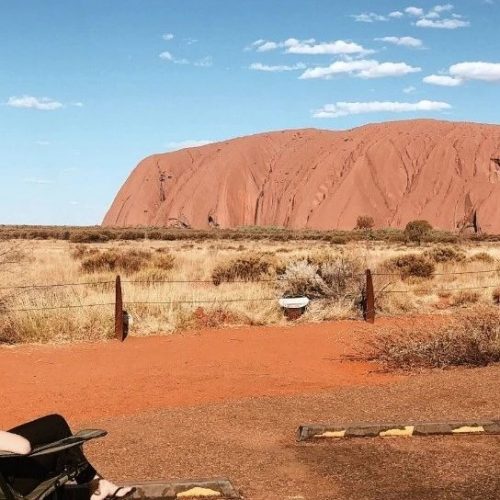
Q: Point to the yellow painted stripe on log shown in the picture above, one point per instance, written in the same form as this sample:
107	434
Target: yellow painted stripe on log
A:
331	434
407	431
466	429
198	492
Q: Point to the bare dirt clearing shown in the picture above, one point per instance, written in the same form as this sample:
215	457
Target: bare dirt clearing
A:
227	402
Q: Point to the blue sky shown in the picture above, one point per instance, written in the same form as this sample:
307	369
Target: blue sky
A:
90	87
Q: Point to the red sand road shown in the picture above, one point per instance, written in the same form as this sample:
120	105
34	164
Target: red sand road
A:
97	380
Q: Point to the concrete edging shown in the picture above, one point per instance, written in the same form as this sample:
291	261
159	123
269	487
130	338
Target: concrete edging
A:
217	488
409	429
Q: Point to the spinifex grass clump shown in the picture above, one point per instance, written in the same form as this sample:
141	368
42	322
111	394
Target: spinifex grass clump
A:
410	265
472	338
443	255
126	261
250	267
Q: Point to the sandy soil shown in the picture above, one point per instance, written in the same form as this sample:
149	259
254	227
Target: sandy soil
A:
227	403
95	380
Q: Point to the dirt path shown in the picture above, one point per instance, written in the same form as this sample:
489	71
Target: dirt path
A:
98	380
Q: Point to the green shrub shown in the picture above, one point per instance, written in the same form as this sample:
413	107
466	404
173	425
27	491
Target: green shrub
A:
364	222
416	230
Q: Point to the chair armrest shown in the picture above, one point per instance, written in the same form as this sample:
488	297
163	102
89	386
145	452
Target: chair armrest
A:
63	444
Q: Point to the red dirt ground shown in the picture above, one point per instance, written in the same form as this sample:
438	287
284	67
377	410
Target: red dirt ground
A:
98	380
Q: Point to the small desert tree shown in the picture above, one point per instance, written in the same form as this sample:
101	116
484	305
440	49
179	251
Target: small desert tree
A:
415	230
364	222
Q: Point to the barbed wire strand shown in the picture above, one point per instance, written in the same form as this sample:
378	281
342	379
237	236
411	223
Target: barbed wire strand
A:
55	285
59	307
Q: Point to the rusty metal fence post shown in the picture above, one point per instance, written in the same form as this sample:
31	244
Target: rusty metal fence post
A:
119	316
369	299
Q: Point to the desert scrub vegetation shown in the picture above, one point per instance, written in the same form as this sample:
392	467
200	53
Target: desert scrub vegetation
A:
410	265
471	338
250	267
445	254
126	261
98	234
324	276
256	272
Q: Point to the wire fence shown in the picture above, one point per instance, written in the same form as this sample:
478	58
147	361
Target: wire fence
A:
222	300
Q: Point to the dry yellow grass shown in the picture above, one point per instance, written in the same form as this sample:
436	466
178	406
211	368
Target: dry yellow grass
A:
173	305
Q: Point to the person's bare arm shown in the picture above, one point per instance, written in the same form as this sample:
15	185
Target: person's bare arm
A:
14	443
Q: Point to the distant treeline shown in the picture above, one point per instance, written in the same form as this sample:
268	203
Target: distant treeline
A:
97	234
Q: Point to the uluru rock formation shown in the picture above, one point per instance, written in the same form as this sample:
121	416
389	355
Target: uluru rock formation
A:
444	172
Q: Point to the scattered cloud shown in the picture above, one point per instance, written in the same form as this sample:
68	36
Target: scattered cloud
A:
168	36
310	47
363	68
405	41
30	102
479	70
36	180
414	11
167	56
189	143
409	90
395	14
448	24
368	17
461	72
442	8
355	108
442	80
205	62
277	68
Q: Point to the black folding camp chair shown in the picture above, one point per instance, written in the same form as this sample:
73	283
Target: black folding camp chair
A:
53	485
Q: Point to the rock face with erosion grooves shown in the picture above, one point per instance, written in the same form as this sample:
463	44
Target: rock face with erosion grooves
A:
395	172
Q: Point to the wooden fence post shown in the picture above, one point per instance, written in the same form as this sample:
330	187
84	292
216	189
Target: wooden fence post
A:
369	302
119	318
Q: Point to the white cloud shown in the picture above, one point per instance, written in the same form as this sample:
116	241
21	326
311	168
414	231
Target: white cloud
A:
277	68
166	55
359	68
443	80
368	17
396	14
205	62
310	47
414	11
356	108
405	41
479	70
443	8
30	102
409	90
189	143
267	46
335	48
448	24
168	36
35	180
